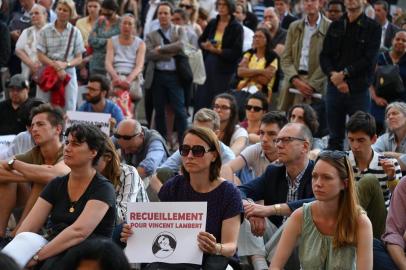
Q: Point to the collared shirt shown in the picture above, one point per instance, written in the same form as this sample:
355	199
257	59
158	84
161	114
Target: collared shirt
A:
387	143
294	184
53	43
168	65
375	168
255	158
307	35
384	27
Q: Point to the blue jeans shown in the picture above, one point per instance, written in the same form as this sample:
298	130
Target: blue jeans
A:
382	259
167	89
338	106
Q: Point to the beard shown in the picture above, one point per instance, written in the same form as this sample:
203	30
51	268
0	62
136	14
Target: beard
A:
94	100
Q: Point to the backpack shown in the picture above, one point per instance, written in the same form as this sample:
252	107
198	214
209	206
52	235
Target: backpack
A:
388	83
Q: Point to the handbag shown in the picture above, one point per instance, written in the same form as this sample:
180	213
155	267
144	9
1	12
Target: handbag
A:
41	80
388	83
183	68
196	63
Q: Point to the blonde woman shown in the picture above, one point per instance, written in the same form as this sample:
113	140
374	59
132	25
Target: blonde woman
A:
333	231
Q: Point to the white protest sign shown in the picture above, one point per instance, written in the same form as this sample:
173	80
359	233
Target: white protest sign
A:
5	142
165	232
101	120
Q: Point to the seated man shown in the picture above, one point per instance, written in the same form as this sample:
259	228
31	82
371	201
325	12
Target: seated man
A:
140	147
203	118
259	155
393	143
38	166
11	109
278	184
97	99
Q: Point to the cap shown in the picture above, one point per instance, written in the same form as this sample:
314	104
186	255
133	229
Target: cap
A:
18	81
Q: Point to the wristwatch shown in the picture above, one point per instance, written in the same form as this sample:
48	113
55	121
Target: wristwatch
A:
346	73
10	163
68	65
219	248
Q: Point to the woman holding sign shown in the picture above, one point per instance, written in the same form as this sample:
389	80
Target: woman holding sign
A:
200	181
79	205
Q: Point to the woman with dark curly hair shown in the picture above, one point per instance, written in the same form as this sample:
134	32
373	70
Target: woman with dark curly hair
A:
305	114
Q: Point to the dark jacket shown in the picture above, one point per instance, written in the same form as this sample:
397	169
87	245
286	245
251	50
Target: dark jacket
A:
363	55
231	44
287	20
272	187
390	34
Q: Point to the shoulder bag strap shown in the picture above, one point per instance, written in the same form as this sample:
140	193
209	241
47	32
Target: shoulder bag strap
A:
69	42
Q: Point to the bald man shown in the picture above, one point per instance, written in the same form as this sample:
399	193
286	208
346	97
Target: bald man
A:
141	147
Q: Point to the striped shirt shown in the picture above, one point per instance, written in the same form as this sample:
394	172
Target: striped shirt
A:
376	169
130	189
294	184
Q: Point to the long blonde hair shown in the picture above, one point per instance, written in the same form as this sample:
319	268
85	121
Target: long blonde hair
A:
348	207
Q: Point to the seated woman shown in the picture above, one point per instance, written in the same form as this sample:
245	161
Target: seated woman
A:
230	134
79	205
259	68
333	232
305	114
390	253
201	182
256	107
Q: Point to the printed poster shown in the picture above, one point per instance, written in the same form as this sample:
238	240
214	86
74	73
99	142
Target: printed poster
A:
165	232
101	120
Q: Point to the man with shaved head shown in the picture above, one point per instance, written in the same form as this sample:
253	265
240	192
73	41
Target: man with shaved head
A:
141	147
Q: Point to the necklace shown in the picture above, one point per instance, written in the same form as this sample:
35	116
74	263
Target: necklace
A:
72	207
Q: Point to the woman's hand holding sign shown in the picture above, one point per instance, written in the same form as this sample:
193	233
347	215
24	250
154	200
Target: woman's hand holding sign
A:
126	232
207	242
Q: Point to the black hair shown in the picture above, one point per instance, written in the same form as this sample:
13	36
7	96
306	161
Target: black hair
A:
110	5
309	116
92	135
336	2
104	251
384	4
55	115
182	13
103	80
274	117
26	109
232	121
8	263
361	121
261	97
230	4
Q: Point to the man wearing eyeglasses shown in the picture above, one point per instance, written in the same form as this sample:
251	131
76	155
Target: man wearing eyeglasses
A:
97	90
140	147
283	183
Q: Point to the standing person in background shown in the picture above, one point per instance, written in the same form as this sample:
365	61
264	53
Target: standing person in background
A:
300	60
51	49
125	60
191	7
107	25
272	22
85	26
26	47
282	7
388	29
221	43
335	9
240	14
348	59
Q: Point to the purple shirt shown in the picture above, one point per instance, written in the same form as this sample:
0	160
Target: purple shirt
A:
396	220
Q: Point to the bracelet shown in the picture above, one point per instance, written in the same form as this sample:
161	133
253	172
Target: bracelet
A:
277	208
219	248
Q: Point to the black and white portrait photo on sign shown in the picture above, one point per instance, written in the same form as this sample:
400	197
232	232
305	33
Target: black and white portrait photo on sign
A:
164	245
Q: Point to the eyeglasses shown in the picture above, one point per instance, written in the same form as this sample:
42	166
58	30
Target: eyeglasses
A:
126	137
197	150
221	107
185	6
256	108
286	140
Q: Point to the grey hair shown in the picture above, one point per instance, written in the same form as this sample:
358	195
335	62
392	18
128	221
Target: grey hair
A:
41	8
208	115
304	132
400	106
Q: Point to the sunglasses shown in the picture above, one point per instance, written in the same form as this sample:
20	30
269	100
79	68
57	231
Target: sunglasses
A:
185	6
126	137
221	107
197	150
256	108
